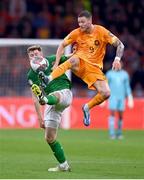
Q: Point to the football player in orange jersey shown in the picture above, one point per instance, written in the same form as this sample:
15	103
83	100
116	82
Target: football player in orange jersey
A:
87	62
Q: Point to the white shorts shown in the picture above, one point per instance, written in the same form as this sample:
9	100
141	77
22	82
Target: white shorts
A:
53	113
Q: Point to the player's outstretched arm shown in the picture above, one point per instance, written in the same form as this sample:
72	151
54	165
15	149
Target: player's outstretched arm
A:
38	111
129	92
119	53
120	48
59	53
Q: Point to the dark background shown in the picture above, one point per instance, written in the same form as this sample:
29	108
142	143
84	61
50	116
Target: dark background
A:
53	19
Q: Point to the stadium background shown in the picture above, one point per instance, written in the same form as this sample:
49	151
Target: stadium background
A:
24	154
52	19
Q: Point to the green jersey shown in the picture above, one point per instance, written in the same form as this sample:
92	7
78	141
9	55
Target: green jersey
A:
57	84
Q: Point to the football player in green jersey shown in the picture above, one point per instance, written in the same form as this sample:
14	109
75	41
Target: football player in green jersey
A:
56	96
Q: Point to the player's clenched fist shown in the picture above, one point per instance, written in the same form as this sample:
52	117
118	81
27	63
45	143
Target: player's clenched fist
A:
116	65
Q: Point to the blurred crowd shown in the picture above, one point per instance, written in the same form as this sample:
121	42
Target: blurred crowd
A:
54	19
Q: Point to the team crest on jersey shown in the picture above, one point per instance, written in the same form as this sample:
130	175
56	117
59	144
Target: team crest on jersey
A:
96	43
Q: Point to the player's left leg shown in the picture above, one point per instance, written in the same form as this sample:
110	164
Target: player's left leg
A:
56	147
111	124
121	108
52	116
103	94
52	120
86	114
120	124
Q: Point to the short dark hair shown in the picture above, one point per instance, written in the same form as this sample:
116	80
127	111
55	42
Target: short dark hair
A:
34	47
85	13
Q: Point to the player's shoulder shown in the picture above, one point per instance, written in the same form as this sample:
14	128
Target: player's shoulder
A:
30	73
100	27
76	31
125	73
101	30
109	72
64	57
50	56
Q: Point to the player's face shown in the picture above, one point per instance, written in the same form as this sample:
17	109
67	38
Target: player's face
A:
35	53
84	23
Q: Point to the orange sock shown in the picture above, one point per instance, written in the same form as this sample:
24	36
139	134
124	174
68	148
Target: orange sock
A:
96	100
61	69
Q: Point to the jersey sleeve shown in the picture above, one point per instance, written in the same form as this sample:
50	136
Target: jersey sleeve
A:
63	59
32	77
71	37
51	59
29	74
29	80
127	85
108	37
108	76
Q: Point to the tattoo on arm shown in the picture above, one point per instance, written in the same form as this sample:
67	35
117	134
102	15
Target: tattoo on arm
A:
120	48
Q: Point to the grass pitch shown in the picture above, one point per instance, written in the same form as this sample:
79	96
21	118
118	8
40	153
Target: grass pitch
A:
24	154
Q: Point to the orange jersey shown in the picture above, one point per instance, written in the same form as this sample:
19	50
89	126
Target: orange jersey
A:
91	46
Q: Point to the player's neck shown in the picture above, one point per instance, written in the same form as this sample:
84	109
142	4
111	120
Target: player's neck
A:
90	30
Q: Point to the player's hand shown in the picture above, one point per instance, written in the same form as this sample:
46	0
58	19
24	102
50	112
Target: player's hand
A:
130	102
42	125
116	65
43	77
42	102
54	66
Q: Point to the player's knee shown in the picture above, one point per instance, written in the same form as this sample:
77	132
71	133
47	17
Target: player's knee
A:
49	139
74	61
106	94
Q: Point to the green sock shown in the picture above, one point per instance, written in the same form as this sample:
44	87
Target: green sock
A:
52	100
58	151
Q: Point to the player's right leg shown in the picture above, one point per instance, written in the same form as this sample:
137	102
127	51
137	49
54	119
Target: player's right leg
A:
38	92
61	69
71	63
50	99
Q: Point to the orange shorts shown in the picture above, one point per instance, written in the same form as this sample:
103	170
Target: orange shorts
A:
89	73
